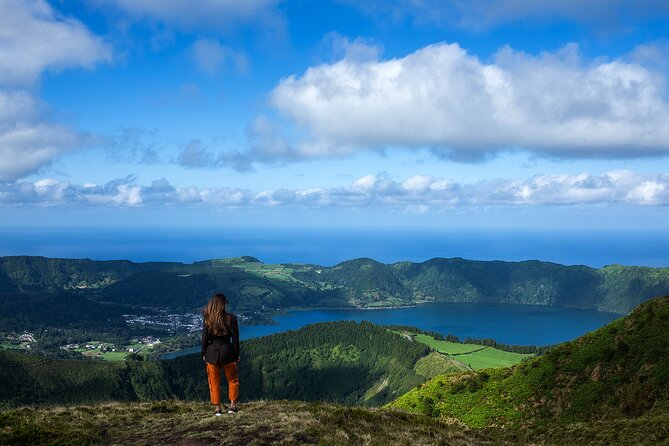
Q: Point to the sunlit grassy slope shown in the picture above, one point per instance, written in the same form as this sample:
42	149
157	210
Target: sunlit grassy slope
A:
472	355
619	372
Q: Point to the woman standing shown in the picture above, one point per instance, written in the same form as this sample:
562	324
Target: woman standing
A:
220	350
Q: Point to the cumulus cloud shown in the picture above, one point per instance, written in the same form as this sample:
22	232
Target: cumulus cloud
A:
420	193
480	14
34	38
28	140
197	14
442	97
654	55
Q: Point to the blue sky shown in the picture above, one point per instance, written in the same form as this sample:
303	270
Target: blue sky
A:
463	114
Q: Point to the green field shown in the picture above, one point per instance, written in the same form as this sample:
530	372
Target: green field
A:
473	355
114	356
270	271
15	346
119	355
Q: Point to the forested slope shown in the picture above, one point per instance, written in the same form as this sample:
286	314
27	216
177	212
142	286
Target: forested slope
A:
52	274
345	362
364	283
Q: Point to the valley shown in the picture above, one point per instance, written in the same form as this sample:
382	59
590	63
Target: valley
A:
72	301
606	387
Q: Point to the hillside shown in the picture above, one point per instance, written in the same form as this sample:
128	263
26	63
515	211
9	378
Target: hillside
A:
28	273
292	423
258	423
344	362
619	372
608	387
254	286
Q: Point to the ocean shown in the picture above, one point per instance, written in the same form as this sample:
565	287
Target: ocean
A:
330	246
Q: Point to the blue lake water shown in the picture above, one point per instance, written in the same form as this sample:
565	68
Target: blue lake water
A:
509	324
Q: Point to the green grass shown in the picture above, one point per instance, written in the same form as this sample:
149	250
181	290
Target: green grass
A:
278	272
619	372
491	358
445	346
437	364
119	355
472	355
257	423
114	356
294	423
106	356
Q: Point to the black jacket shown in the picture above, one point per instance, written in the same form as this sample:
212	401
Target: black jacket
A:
222	349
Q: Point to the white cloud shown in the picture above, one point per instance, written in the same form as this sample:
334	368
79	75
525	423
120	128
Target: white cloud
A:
553	104
28	140
419	193
654	55
417	183
365	183
34	38
211	56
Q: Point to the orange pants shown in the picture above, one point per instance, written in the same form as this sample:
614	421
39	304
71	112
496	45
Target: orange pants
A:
214	376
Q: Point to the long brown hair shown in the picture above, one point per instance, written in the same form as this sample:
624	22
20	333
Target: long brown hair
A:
215	317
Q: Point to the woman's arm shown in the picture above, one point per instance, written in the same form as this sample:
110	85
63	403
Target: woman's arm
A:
235	336
205	339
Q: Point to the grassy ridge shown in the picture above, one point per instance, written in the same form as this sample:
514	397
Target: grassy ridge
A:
437	364
259	423
620	371
294	423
